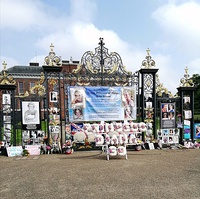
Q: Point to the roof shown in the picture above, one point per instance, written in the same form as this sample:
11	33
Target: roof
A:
25	70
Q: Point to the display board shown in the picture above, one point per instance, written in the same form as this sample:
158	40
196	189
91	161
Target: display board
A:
31	115
33	149
14	151
187	118
7	112
101	103
168	136
168	115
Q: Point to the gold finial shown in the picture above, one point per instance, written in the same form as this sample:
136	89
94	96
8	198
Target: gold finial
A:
51	47
186	81
4	64
5	78
52	59
148	51
186	70
148	63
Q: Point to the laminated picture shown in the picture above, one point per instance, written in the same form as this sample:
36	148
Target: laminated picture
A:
78	113
30	112
186	104
188	114
6	98
53	96
77	97
7	119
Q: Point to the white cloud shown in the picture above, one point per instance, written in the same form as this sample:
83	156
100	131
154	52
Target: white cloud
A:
82	10
82	37
180	37
180	25
181	17
23	15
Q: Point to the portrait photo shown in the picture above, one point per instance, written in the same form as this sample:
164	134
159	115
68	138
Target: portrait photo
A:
78	113
170	140
176	139
171	131
68	129
188	114
186	104
25	135
77	97
128	97
7	127
128	112
30	112
148	104
53	96
6	98
171	107
164	107
7	119
186	100
171	115
7	108
165	116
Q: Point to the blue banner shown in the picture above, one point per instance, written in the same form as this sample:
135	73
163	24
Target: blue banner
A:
101	103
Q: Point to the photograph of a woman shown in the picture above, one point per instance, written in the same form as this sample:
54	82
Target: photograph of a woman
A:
30	112
6	98
77	97
78	113
197	130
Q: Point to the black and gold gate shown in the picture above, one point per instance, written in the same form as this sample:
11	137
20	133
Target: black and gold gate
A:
100	68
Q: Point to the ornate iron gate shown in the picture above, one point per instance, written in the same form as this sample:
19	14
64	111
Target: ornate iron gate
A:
100	68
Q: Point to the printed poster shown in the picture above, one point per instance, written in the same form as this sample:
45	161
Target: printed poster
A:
168	115
101	103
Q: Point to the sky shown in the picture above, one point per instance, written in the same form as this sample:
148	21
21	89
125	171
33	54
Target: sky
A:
169	28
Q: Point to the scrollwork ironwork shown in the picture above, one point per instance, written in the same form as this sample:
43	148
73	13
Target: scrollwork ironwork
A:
38	89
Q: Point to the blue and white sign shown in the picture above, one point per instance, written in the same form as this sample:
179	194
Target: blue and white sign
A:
101	103
14	151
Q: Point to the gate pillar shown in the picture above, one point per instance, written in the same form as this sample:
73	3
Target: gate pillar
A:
148	91
7	86
186	108
52	70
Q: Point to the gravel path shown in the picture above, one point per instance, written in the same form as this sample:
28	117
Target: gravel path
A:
146	174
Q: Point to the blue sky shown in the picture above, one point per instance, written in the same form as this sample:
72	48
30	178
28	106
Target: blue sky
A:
170	28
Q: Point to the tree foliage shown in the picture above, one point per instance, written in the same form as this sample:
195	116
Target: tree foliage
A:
196	81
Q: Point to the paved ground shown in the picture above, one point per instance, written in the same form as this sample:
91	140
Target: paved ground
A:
149	174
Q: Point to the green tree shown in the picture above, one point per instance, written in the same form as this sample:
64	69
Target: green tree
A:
196	81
